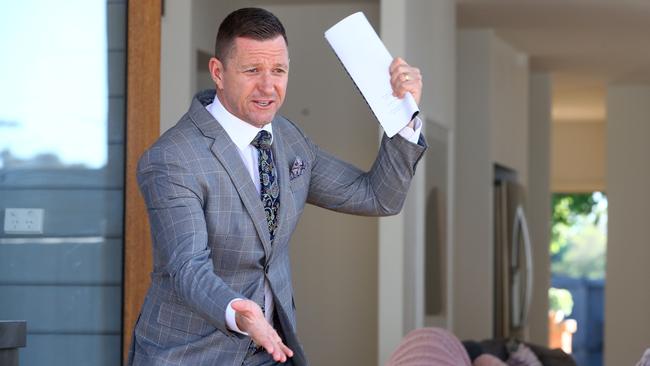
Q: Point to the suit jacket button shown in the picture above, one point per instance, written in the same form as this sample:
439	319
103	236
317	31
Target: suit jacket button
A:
266	269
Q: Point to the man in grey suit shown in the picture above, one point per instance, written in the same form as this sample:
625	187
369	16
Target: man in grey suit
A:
225	188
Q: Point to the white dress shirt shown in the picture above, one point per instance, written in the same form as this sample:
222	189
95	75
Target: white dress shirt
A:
242	134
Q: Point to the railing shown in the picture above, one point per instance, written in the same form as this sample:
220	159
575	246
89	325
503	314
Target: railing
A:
13	335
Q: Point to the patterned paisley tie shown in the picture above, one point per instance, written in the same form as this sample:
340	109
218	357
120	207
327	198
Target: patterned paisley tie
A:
269	188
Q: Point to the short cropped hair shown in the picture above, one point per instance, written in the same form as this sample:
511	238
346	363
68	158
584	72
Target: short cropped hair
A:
254	23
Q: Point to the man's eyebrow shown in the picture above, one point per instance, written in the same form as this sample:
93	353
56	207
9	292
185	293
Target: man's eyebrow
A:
258	64
252	64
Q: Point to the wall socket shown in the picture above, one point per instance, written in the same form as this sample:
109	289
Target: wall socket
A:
27	221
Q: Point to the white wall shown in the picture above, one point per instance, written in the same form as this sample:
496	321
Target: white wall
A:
627	298
206	17
578	156
430	44
492	127
177	62
539	201
509	107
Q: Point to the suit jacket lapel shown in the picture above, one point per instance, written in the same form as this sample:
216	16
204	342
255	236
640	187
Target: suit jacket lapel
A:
228	155
281	167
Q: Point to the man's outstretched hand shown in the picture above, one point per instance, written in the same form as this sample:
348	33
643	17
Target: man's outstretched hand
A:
250	319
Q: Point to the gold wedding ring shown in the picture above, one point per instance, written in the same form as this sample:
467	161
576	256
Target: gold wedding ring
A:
405	77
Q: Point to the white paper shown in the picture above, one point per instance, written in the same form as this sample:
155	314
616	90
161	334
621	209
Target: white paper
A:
367	61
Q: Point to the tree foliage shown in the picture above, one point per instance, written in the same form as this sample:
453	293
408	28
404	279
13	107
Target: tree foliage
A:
579	235
560	300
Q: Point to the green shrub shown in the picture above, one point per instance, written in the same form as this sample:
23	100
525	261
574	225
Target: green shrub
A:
560	300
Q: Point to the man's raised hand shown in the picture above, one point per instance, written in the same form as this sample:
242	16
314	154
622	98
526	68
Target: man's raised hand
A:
405	78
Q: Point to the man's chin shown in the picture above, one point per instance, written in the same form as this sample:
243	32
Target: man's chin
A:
262	121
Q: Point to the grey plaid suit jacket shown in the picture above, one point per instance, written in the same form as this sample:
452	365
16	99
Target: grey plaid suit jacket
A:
210	236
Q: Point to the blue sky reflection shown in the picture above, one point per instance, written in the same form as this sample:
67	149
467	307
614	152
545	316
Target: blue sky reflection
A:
54	82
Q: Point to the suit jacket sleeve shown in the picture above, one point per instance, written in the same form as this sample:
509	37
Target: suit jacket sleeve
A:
175	205
342	187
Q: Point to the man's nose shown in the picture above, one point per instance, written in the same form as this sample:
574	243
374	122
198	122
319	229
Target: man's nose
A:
265	83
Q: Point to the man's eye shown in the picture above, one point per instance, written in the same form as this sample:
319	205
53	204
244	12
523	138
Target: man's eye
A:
251	70
280	71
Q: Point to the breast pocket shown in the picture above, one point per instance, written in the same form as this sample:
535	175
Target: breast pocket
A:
299	188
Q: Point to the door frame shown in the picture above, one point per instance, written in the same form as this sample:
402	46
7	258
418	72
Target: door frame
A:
142	129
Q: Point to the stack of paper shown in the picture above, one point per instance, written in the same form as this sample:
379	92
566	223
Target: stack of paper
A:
367	61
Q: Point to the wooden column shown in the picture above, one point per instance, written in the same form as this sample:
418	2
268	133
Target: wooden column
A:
142	129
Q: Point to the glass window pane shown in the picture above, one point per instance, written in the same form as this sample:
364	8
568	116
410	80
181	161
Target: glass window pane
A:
62	115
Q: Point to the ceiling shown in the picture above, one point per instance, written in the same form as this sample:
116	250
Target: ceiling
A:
584	44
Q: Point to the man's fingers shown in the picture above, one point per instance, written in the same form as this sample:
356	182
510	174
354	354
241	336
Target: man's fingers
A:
405	75
269	347
260	330
398	61
399	68
282	352
283	349
398	74
405	78
242	305
278	350
287	351
269	343
279	356
412	82
413	86
250	319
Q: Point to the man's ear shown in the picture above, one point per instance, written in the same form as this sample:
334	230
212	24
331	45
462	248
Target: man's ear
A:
216	72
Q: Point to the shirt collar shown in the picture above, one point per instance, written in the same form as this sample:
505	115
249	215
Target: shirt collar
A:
241	133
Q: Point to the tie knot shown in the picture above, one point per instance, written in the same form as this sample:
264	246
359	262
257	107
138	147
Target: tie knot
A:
262	140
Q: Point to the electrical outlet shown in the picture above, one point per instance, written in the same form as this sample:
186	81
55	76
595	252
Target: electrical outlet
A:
24	220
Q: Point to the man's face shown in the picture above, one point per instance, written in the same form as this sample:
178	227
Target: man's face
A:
252	81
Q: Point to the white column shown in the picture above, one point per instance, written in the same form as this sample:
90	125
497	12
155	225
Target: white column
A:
539	201
423	33
492	127
473	245
627	295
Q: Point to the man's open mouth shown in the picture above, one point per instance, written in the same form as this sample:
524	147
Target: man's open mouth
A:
263	103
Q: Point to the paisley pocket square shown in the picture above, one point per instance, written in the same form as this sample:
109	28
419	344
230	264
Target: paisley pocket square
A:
297	168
